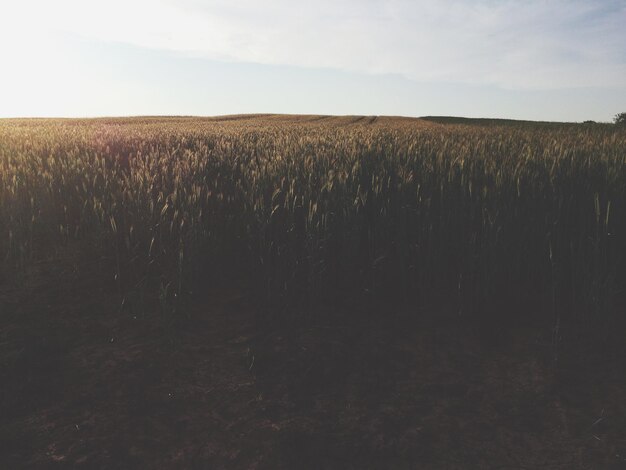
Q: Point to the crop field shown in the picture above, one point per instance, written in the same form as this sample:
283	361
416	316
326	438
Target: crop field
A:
319	207
364	224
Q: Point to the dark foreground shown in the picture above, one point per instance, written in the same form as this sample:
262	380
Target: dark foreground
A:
85	385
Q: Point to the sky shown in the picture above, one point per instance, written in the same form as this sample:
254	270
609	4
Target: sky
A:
562	60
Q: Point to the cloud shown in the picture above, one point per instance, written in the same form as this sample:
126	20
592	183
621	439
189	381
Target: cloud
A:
531	44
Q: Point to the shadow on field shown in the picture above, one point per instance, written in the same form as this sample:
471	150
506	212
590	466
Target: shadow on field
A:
86	384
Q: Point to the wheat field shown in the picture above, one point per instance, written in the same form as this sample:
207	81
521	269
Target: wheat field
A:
278	291
502	220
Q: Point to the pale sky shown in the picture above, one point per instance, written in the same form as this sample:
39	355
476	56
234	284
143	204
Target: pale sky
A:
524	59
